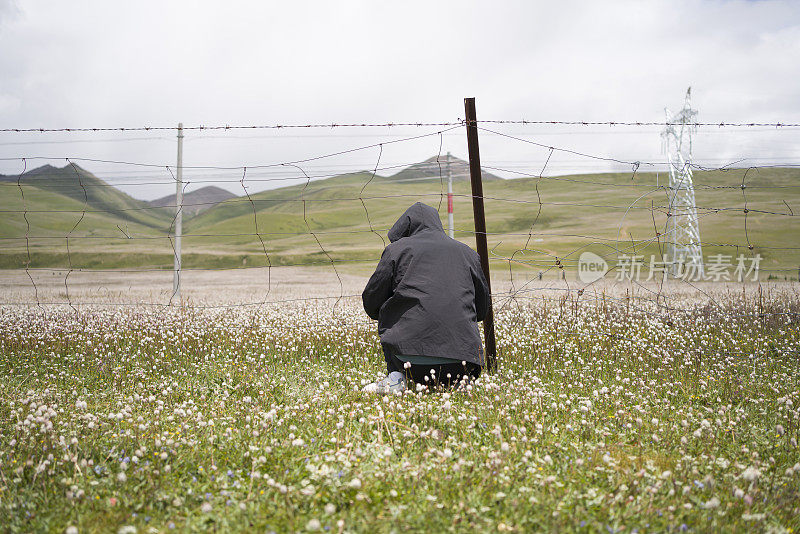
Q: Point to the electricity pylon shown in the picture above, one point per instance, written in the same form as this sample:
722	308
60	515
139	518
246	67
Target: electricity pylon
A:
683	230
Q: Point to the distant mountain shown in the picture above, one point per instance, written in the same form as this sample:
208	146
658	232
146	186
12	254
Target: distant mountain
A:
80	185
431	168
345	218
278	208
195	202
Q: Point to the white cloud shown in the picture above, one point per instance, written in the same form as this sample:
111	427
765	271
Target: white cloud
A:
8	103
8	10
97	63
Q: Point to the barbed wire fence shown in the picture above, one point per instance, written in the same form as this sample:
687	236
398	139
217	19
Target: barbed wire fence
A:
540	226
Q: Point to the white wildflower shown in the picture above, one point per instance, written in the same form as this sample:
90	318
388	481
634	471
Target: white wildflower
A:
751	474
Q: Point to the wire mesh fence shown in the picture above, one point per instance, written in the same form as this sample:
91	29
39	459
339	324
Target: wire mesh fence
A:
565	226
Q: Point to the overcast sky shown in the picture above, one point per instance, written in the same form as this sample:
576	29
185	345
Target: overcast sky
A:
114	64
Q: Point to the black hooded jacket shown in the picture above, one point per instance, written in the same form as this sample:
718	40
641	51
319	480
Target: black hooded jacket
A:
428	292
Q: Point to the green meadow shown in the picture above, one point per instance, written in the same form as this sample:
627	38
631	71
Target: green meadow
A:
600	418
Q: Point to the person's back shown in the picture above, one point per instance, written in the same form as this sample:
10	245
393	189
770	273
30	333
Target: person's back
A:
427	293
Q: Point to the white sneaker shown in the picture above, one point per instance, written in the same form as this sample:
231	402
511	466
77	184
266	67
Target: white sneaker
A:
395	382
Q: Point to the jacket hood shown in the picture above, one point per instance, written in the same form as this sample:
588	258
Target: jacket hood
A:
418	218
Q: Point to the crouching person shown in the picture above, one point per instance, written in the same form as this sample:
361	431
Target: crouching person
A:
428	293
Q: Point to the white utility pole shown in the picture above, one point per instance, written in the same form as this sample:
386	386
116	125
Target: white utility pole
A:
450	230
176	282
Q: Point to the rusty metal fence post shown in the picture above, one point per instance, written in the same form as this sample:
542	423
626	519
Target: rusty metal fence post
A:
480	225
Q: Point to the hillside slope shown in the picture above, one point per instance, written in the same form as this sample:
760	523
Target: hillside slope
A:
80	185
195	202
539	222
556	217
436	167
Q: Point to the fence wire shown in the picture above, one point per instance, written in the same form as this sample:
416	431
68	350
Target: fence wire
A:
287	223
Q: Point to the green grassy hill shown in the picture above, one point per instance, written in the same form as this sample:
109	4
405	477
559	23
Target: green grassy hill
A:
438	166
603	213
556	217
50	204
85	188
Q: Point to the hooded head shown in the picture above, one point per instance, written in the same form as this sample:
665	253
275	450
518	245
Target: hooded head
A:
418	218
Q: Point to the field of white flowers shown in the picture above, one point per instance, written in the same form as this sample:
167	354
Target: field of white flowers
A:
606	414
